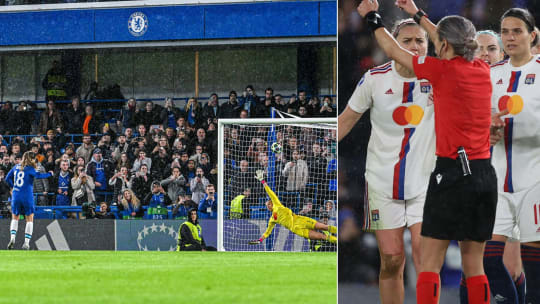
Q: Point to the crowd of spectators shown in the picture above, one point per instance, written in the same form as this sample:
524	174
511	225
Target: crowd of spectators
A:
144	154
303	173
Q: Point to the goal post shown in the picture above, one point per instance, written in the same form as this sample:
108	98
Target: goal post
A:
299	158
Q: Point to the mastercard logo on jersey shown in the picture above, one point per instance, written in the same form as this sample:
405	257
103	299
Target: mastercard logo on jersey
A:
514	104
411	115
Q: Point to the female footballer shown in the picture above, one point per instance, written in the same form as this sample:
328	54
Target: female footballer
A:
400	156
298	224
462	195
21	179
507	285
516	157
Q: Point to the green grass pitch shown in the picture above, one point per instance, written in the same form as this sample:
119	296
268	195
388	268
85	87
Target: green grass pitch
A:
167	277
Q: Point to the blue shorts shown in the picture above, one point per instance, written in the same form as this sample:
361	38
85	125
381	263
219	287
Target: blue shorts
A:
25	208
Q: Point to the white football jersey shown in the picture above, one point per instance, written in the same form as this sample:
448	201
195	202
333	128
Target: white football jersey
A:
401	149
516	158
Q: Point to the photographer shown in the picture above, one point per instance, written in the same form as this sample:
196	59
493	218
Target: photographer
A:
157	197
296	172
175	184
159	163
314	106
198	184
83	188
121	147
208	204
327	110
120	182
141	181
182	206
169	114
141	159
103	213
22	118
249	100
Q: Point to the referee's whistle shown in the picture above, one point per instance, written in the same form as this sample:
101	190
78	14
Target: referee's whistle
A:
464	160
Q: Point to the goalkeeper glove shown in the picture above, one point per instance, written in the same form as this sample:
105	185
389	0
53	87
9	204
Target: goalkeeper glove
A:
259	175
256	242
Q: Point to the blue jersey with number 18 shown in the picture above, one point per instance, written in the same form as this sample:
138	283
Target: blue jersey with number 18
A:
22	181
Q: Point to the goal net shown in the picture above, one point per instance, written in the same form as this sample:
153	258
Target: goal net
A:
298	157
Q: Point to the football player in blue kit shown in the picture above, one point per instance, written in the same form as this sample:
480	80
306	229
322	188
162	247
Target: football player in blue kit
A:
21	179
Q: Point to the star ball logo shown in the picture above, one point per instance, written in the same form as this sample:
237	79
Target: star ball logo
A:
411	115
514	104
137	24
151	236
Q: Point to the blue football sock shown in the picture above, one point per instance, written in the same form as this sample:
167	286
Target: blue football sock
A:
501	284
531	265
463	299
520	287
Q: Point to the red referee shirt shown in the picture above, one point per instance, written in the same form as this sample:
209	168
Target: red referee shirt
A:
462	100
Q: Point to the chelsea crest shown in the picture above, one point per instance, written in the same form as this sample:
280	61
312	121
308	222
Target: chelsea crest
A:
137	24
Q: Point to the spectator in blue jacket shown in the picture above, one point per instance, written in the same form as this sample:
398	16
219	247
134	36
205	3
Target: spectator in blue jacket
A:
130	206
157	197
100	170
208	205
182	206
249	100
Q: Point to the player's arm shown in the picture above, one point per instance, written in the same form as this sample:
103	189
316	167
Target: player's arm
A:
273	197
410	7
368	9
271	225
9	177
360	101
40	175
346	121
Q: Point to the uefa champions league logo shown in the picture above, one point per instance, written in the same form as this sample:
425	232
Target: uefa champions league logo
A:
137	24
150	237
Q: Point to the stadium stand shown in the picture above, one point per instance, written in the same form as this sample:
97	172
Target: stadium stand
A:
172	133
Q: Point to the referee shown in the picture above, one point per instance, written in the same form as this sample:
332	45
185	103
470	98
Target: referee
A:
462	194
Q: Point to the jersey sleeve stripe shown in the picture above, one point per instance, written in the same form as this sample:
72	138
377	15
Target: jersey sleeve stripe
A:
380	72
502	62
382	67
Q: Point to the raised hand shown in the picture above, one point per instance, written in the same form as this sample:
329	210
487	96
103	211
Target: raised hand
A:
408	6
367	6
259	175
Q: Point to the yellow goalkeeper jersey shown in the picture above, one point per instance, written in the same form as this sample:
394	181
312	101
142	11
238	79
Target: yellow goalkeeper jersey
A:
280	214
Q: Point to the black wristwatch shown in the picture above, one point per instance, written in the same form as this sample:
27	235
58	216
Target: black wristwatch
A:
418	16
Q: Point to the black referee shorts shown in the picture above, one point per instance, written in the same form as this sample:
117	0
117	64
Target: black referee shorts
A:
460	207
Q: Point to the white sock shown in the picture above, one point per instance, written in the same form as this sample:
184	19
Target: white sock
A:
28	232
13	228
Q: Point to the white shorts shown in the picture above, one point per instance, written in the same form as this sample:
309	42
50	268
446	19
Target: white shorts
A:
383	212
521	210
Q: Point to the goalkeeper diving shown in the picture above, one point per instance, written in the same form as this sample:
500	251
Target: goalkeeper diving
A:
301	225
